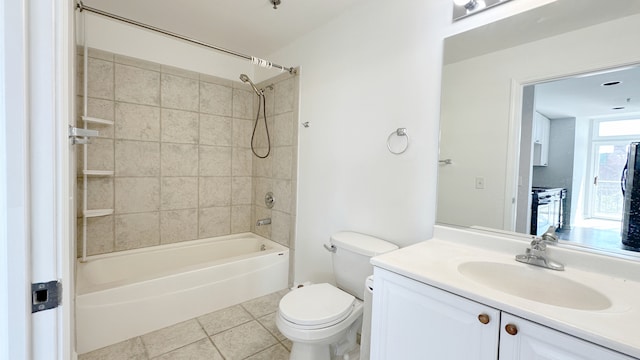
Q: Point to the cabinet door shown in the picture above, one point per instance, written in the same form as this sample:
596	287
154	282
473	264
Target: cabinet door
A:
412	320
532	341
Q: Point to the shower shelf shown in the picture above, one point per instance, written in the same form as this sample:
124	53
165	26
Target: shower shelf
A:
98	172
94	120
97	213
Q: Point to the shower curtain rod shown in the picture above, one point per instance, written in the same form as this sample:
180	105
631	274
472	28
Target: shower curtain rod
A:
253	59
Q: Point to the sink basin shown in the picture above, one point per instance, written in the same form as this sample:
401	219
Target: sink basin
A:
536	284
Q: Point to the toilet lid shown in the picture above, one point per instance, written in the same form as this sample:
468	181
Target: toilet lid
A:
316	304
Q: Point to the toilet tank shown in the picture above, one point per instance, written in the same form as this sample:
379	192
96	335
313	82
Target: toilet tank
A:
351	260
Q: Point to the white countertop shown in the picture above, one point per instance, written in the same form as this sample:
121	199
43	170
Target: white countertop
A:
435	262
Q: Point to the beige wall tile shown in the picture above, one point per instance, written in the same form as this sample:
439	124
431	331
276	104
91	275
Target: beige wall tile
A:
179	92
282	158
214	191
101	109
100	155
137	194
260	212
242	130
166	69
241	162
178	225
215	99
283	130
100	82
137	122
179	160
100	235
284	96
269	101
217	80
261	186
137	230
179	193
179	126
97	53
240	219
136	85
282	193
131	61
241	190
262	167
215	130
173	337
215	161
137	158
280	225
99	193
260	139
214	222
243	104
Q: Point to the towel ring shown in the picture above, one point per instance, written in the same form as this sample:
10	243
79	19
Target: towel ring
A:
398	132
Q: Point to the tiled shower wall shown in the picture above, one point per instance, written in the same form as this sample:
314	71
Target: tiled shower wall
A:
180	152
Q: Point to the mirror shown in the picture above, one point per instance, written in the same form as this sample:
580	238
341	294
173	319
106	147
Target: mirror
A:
497	82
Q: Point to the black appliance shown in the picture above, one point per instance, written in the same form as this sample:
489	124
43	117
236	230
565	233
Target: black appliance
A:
630	183
547	207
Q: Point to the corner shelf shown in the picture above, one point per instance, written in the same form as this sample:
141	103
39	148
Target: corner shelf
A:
89	119
97	213
97	172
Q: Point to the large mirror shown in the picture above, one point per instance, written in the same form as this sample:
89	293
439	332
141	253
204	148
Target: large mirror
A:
538	114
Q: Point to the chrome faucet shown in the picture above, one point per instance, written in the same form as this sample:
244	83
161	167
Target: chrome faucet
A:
265	221
537	254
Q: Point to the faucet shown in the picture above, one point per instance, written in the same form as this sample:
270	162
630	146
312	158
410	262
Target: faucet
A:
537	254
265	221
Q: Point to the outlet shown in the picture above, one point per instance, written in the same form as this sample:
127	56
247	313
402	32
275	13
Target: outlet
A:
479	182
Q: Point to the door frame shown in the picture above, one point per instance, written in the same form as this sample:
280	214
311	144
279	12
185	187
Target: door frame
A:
36	212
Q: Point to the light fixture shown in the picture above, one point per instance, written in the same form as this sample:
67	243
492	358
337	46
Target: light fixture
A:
611	83
464	8
467	4
275	3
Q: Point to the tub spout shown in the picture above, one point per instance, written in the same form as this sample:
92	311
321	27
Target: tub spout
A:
265	221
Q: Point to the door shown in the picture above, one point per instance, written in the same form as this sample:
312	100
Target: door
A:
606	200
521	339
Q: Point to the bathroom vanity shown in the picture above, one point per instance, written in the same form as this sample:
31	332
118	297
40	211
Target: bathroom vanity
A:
462	295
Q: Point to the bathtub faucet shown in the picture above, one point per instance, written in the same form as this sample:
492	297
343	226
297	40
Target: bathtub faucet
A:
265	221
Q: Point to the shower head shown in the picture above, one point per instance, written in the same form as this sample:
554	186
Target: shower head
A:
245	79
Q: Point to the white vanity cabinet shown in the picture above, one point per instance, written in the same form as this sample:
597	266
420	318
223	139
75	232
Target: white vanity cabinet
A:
412	320
521	339
415	321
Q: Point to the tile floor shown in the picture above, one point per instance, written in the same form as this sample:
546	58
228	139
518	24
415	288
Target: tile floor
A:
242	332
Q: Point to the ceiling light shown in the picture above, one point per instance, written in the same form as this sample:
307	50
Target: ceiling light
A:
618	108
467	4
275	3
611	83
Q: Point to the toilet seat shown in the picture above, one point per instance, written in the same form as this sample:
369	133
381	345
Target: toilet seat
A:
316	306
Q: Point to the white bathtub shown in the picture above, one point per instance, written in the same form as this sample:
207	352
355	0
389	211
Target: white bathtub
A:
130	293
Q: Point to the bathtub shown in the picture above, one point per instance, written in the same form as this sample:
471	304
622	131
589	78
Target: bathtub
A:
130	293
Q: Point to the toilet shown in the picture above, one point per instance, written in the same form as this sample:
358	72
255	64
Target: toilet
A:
322	320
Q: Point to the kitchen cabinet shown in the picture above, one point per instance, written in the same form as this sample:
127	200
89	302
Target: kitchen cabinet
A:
541	131
412	320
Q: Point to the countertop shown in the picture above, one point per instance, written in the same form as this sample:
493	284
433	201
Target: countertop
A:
435	262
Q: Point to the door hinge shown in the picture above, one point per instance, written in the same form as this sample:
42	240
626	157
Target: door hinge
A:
44	296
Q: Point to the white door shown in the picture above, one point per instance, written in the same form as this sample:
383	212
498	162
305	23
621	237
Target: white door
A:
38	88
609	158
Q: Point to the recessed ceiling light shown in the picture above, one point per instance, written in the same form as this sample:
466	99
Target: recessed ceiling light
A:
618	108
611	83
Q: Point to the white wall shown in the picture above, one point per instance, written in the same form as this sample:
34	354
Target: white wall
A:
368	72
120	38
482	99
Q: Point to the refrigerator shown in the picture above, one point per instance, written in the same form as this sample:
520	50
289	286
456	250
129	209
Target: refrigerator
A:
630	183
